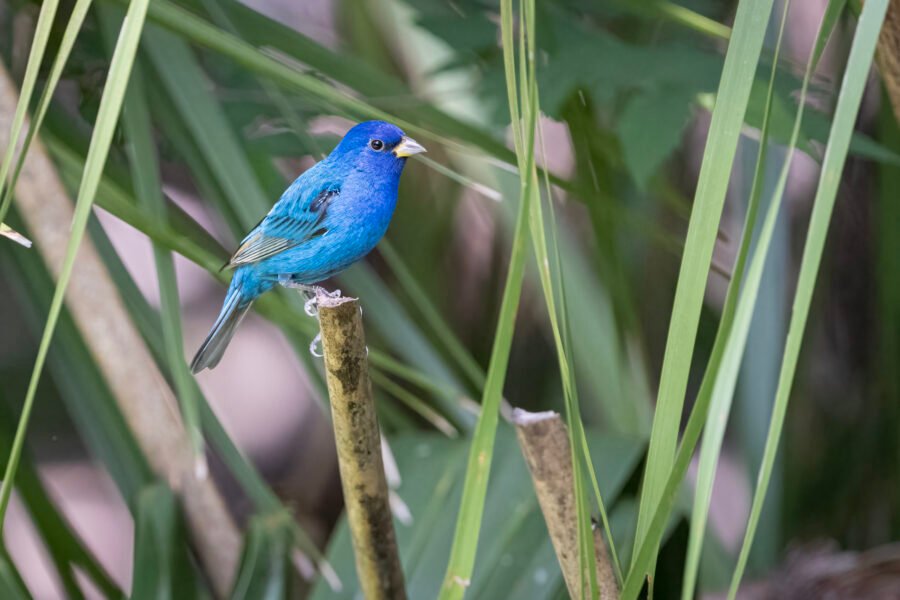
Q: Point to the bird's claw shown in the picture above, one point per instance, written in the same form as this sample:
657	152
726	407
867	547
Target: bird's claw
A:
311	307
314	346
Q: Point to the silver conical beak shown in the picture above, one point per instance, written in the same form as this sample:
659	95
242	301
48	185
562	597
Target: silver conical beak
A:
408	147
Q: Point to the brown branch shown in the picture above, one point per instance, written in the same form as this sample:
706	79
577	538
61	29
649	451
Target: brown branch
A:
359	449
137	385
545	445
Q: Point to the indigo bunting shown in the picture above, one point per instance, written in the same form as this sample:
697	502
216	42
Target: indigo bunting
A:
329	218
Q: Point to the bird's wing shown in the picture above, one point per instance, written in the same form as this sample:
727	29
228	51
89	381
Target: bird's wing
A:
285	227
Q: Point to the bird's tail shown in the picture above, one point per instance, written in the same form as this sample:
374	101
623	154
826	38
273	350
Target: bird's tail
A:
233	310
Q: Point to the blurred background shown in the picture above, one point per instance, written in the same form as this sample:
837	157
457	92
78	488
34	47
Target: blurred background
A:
625	90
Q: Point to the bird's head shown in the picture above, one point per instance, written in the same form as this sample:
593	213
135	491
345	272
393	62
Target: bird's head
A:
377	145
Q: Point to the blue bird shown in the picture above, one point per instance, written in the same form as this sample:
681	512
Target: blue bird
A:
329	218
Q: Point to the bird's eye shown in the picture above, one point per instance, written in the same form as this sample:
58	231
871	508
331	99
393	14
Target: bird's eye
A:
376	145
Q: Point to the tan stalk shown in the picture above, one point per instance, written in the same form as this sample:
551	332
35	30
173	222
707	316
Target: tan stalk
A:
358	444
545	444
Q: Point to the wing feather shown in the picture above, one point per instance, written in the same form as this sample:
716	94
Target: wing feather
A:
278	232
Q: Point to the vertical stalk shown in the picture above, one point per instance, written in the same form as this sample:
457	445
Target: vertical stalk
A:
545	444
359	449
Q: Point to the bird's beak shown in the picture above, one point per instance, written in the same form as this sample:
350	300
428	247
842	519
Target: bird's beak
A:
408	147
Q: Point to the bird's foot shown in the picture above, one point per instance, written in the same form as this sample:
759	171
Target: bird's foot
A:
311	306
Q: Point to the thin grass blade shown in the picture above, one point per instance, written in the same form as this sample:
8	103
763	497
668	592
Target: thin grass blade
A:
110	106
738	74
645	553
35	58
726	374
73	27
854	83
468	524
148	189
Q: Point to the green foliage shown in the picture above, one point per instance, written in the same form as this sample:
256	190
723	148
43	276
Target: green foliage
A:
160	548
221	90
861	55
515	554
731	103
265	570
11	584
119	69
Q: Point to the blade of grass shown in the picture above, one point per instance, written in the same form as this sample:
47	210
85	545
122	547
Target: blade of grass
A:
734	92
727	372
177	67
562	336
107	117
161	563
381	88
432	316
468	524
645	553
855	77
148	189
35	58
692	20
73	27
264	571
580	455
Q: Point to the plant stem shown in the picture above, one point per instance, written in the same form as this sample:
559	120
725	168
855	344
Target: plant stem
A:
359	449
545	445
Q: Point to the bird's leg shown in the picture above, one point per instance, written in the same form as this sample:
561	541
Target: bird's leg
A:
310	307
287	282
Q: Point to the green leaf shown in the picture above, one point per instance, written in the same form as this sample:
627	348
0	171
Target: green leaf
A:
110	105
732	354
64	547
11	584
148	189
264	571
161	563
35	57
734	91
651	127
81	386
73	27
471	511
852	88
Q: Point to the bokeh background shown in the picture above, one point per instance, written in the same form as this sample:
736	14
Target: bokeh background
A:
625	89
